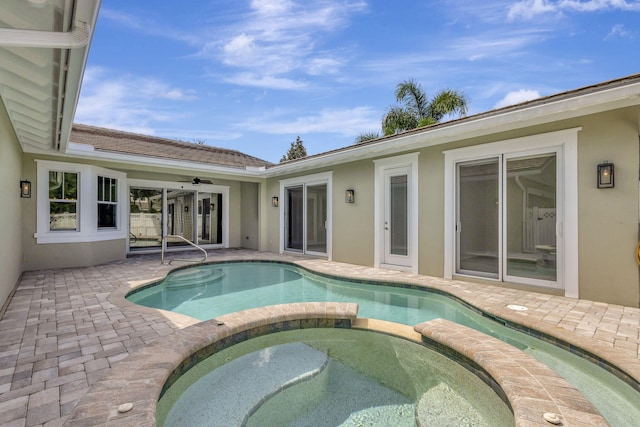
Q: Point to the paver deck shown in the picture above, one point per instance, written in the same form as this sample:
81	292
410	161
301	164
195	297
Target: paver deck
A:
64	329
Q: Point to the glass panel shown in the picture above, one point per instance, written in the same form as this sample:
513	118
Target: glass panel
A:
55	185
209	218
145	218
531	217
317	218
63	216
478	218
294	231
106	215
114	190
100	188
398	227
180	215
70	186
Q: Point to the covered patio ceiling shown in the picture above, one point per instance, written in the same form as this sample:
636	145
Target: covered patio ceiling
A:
43	51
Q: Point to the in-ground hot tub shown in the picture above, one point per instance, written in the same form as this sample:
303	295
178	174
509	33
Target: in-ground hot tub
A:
329	377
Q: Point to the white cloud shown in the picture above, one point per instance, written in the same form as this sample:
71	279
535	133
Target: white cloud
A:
618	30
267	82
125	102
343	121
516	97
282	37
527	9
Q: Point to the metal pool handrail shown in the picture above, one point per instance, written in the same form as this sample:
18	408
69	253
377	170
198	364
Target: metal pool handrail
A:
164	245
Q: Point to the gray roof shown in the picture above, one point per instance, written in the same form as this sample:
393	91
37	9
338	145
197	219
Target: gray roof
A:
115	141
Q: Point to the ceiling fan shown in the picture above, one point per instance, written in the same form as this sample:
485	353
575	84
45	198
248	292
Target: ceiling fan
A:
198	181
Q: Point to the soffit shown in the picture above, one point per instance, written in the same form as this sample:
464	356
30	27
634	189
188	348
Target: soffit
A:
39	74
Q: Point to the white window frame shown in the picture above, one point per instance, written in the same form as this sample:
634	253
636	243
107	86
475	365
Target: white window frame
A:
108	202
304	181
565	144
87	204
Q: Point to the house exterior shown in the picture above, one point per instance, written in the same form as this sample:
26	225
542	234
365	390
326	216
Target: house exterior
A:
541	195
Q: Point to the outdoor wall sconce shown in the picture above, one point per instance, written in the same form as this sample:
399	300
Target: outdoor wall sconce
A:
350	196
186	208
605	175
274	201
25	188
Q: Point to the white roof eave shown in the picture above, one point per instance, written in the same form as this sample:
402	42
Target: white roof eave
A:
518	118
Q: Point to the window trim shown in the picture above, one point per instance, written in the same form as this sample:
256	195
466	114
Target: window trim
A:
87	204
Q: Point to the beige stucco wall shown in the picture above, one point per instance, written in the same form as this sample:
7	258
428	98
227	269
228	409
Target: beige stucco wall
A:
249	213
608	218
13	207
353	223
41	256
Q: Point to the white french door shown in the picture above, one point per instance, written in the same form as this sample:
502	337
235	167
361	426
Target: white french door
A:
396	213
396	217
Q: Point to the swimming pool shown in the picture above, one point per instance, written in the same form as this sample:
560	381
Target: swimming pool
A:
205	292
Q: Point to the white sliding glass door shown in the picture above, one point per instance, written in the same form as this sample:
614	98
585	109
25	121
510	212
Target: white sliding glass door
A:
511	211
506	218
305	215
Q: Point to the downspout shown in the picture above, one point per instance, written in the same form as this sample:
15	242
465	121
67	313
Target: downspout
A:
77	37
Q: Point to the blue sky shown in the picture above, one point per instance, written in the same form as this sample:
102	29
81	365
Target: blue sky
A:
252	75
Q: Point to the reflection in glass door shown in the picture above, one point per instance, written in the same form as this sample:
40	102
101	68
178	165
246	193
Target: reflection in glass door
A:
209	218
145	218
316	239
180	216
477	222
294	219
530	216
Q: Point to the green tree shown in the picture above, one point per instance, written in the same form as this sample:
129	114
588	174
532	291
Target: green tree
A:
366	136
416	110
296	151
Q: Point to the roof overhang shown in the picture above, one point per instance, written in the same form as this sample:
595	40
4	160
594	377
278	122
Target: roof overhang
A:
596	99
43	53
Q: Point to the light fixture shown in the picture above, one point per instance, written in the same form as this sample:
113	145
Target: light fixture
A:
25	188
605	175
274	201
196	181
350	196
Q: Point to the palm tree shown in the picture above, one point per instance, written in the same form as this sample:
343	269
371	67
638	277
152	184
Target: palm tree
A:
418	111
366	136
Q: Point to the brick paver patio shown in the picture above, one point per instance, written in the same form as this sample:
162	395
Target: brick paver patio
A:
62	331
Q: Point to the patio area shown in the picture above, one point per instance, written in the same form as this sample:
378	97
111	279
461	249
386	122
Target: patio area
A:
63	329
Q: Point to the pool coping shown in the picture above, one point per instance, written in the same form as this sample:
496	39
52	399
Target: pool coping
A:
532	390
140	380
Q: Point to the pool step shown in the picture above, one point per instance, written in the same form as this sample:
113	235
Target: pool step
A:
189	278
231	393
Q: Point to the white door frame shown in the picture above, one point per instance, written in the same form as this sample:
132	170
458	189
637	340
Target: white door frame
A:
410	162
566	143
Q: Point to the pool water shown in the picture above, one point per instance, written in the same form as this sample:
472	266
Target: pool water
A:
370	379
208	291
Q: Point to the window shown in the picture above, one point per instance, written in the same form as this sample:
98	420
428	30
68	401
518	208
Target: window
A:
63	201
79	203
107	202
